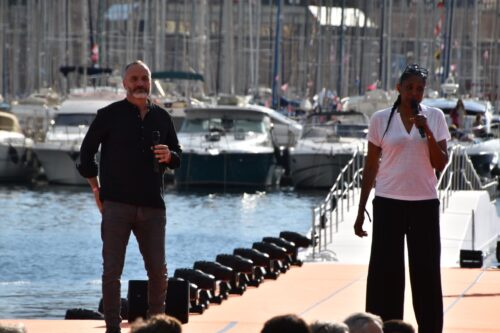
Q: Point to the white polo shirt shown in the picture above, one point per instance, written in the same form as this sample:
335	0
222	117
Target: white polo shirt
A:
405	171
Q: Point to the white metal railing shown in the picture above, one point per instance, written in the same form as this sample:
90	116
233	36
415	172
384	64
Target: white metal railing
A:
341	197
459	174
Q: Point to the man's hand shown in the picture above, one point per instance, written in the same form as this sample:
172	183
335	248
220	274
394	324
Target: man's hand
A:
97	198
162	153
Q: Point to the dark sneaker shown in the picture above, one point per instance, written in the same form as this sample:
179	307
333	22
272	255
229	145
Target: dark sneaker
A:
113	330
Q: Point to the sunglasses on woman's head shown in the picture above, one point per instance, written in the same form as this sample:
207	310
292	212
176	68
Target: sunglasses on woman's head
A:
416	69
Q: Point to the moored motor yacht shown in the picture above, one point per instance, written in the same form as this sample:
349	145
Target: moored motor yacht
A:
233	146
328	142
481	140
61	148
16	160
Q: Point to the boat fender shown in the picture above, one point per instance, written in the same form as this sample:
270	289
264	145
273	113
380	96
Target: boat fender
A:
13	155
27	158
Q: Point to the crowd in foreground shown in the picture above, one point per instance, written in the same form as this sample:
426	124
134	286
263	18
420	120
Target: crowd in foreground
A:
360	322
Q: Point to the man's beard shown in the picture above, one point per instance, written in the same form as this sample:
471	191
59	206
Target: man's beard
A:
139	93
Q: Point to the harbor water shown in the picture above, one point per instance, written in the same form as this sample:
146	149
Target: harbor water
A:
50	246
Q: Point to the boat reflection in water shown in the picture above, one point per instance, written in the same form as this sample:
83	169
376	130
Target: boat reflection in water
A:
234	146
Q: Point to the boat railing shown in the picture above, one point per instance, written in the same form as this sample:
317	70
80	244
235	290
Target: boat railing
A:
458	175
339	200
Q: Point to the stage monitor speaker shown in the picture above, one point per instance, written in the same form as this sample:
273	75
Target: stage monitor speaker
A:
177	302
471	259
137	299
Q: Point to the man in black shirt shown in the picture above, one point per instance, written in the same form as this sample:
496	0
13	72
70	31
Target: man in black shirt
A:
138	141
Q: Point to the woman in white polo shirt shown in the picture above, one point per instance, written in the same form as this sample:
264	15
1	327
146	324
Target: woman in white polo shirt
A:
406	145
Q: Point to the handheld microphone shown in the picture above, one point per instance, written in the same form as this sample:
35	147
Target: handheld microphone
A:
156	141
414	106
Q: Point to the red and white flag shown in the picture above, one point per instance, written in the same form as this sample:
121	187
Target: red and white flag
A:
94	54
438	27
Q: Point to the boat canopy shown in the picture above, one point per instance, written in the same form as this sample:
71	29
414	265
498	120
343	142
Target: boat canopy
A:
177	75
448	104
276	116
65	70
9	122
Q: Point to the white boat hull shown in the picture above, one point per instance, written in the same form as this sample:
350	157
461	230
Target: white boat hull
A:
59	164
316	170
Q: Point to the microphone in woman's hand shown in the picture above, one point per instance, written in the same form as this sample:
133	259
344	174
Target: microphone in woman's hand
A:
156	141
414	106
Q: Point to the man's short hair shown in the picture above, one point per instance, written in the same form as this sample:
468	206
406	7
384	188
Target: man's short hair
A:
19	328
328	327
397	326
289	323
136	62
160	323
357	321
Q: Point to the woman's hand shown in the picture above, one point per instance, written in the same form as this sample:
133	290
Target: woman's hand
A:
420	121
358	226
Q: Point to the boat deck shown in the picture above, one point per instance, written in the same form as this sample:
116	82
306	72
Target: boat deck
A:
322	291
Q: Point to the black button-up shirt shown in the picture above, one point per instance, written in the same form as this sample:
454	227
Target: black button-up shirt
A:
126	166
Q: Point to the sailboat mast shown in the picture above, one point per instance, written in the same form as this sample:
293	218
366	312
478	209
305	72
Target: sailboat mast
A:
277	42
252	51
449	35
3	52
388	48
475	24
257	43
341	51
382	45
228	49
361	50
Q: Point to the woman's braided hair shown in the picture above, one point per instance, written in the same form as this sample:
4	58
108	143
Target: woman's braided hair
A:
410	70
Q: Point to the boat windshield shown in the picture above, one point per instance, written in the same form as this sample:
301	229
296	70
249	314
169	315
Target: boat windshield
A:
349	125
74	119
223	125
